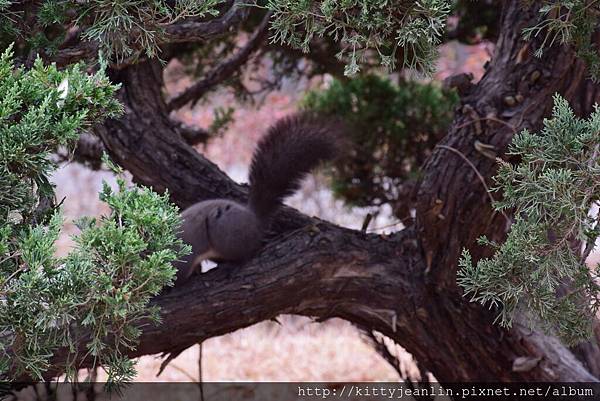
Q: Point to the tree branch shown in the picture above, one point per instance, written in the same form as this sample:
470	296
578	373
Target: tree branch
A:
197	31
192	135
327	271
189	30
224	70
88	151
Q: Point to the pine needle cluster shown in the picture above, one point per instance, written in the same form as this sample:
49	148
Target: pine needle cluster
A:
570	22
122	29
406	30
540	269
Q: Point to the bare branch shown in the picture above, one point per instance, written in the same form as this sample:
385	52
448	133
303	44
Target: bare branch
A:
334	272
194	31
192	135
223	70
88	151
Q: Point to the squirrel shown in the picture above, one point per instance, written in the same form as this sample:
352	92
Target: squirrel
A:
224	230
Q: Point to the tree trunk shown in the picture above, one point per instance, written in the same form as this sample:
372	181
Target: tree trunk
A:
403	285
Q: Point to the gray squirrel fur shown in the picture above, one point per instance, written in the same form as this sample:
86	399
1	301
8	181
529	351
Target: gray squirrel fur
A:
225	230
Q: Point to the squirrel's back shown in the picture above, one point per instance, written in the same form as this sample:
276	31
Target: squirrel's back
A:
290	149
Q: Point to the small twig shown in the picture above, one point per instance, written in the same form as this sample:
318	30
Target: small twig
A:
476	120
88	151
533	104
91	390
193	136
20	269
366	222
382	349
193	31
384	352
168	360
183	372
223	70
590	245
497	120
75	389
12	255
200	381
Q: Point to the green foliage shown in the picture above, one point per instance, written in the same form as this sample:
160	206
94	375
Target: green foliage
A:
40	109
7	22
93	300
551	190
395	127
570	22
223	118
408	30
365	32
122	28
142	22
123	260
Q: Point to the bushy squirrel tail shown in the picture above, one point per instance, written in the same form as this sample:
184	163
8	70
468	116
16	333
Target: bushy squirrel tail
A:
291	148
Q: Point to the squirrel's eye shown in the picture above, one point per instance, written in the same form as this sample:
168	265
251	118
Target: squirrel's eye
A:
227	207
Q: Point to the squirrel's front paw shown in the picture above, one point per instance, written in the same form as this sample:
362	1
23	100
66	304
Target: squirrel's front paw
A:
205	265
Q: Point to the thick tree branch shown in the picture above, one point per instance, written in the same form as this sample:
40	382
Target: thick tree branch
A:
196	31
515	93
326	271
81	51
223	70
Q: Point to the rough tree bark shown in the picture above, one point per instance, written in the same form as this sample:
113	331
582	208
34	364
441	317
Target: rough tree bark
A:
402	285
